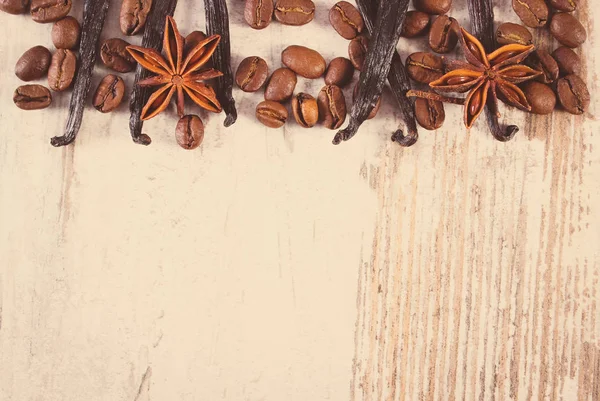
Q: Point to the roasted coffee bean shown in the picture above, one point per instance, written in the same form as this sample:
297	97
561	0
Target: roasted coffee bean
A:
533	13
424	67
542	61
133	15
357	51
294	12
541	97
509	33
415	24
65	33
189	132
272	114
14	6
346	20
304	61
33	64
573	94
433	6
281	85
339	72
32	97
305	110
430	113
332	107
115	56
564	5
251	74
568	61
258	13
49	10
567	30
62	70
192	40
443	35
109	94
375	110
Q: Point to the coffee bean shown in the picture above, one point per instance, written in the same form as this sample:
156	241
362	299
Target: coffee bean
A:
567	30
573	94
568	61
433	6
541	97
192	40
430	114
332	107
305	110
281	85
424	67
564	5
33	64
133	15
49	10
109	94
509	33
14	6
304	61
415	24
533	13
375	110
294	12
258	13
189	132
443	35
346	20
65	33
542	61
32	97
357	51
339	72
62	70
251	74
115	56
272	114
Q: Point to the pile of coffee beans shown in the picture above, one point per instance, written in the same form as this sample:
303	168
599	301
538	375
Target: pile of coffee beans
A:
559	82
328	107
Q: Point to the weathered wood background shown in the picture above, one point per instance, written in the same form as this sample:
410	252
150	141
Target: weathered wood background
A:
271	265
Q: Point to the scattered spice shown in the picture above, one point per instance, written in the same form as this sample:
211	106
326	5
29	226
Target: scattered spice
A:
153	34
177	73
398	80
94	14
217	23
388	27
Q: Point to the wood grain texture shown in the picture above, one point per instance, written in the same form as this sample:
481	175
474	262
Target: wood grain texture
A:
271	265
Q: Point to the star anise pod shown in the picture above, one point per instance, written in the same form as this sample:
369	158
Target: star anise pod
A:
493	75
178	72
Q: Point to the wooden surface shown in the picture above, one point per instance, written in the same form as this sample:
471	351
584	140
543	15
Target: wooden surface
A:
271	265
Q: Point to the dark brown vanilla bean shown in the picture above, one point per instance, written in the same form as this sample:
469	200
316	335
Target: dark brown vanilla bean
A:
153	38
398	80
481	13
94	14
388	27
217	23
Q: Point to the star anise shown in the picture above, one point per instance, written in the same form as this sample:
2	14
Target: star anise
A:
493	75
178	72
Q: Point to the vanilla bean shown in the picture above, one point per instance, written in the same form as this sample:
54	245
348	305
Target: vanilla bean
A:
153	38
398	80
217	23
436	96
94	14
481	13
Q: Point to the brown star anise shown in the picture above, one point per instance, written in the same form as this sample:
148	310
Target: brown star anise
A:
493	75
178	72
